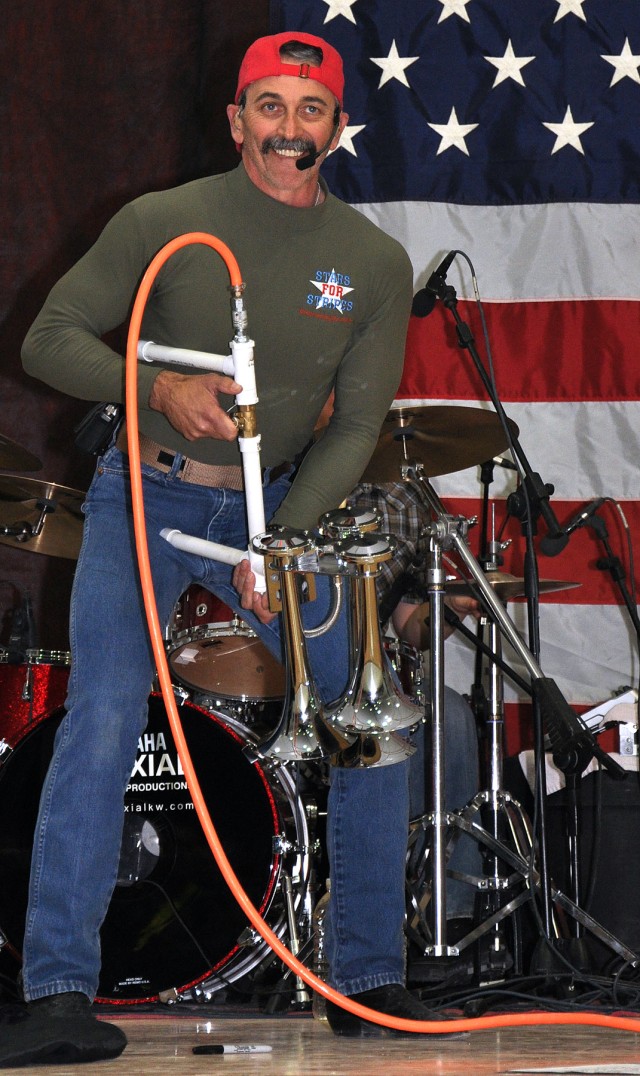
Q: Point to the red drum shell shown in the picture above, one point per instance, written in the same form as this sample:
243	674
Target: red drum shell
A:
31	690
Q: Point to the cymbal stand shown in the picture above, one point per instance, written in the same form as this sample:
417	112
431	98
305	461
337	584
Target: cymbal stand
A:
445	827
478	697
449	532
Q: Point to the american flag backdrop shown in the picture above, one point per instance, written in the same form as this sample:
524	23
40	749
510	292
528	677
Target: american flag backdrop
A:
510	130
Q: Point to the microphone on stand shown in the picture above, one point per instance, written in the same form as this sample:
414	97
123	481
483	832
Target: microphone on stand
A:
425	299
552	544
503	462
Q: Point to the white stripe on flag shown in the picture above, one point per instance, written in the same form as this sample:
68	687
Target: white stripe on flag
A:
521	252
552	436
589	650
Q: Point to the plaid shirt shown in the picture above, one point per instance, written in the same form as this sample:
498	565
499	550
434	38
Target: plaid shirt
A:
404	515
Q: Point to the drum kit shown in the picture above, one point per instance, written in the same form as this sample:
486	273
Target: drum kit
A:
173	929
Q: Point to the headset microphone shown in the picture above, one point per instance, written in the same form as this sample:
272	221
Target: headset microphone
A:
308	162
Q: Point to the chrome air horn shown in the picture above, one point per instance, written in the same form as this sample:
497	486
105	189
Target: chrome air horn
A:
302	732
374	706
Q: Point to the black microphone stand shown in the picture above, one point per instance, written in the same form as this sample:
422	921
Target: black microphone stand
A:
612	564
478	694
567	735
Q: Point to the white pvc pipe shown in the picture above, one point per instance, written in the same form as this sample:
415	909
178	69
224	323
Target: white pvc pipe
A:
203	548
244	371
239	365
179	356
252	472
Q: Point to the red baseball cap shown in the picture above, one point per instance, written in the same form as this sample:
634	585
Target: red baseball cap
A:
262	59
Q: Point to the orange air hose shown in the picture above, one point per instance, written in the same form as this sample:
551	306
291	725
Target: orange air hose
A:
164	676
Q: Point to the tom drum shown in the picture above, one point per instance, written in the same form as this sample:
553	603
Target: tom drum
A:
213	652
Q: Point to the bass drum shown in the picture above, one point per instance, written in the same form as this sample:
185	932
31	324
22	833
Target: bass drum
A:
173	923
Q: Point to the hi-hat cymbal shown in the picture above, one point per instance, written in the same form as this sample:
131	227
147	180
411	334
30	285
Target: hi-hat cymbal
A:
14	457
443	439
507	586
40	516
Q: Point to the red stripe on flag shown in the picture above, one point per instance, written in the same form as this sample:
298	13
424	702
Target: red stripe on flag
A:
519	731
566	350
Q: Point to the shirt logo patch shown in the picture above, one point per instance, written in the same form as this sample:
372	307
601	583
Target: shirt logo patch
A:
332	294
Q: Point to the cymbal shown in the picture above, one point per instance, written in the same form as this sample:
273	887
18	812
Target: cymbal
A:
16	458
507	586
443	439
41	516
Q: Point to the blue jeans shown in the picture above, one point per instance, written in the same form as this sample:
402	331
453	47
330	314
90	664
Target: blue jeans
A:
79	829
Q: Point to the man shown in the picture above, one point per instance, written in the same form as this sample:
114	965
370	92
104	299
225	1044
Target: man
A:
328	297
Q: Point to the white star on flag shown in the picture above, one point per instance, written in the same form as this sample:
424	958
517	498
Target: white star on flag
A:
568	132
454	7
509	65
570	7
626	64
339	7
453	133
393	66
347	137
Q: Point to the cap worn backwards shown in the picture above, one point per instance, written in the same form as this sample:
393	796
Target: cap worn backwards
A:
262	60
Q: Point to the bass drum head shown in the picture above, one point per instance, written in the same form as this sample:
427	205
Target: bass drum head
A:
172	922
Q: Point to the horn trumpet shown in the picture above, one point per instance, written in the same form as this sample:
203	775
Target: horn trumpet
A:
302	732
374	706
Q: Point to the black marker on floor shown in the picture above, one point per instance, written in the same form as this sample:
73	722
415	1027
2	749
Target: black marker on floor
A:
242	1048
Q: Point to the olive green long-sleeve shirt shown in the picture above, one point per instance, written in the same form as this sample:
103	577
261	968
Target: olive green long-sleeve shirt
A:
327	297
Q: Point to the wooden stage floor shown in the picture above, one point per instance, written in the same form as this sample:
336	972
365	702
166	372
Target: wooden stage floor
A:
162	1042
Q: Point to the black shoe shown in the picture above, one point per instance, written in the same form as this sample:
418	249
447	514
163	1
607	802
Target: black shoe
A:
394	1000
56	1030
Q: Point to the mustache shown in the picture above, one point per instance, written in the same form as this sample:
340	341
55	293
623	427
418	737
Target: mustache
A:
297	145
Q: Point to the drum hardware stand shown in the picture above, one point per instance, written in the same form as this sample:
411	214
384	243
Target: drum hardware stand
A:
564	730
298	924
533	498
490	558
502	816
23	531
302	995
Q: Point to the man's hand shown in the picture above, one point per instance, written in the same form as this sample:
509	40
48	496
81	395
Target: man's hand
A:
411	622
245	583
463	605
190	403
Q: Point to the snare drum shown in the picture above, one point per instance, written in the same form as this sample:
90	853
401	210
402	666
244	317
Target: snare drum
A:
214	652
172	923
30	689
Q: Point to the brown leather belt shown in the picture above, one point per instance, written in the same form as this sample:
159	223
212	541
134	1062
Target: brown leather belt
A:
201	474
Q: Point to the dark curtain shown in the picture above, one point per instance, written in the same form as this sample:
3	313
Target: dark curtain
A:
99	102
